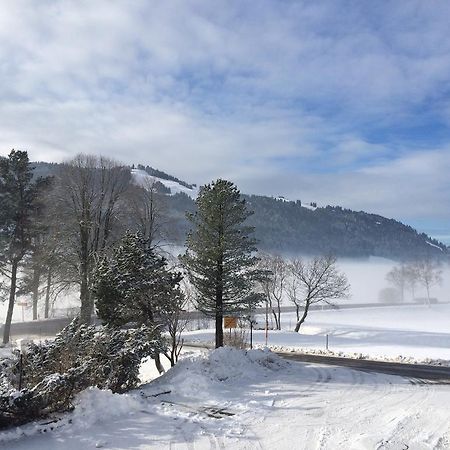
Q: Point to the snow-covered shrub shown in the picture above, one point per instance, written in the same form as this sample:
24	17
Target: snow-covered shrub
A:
50	374
237	338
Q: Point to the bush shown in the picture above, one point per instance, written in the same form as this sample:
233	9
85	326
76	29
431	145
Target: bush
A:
237	338
47	376
389	295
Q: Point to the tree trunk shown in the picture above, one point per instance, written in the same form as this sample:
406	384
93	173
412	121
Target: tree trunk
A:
85	308
297	310
47	293
158	364
302	319
85	297
12	297
219	305
219	318
428	294
219	329
35	288
276	319
279	315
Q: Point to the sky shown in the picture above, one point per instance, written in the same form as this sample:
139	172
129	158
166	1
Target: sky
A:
338	102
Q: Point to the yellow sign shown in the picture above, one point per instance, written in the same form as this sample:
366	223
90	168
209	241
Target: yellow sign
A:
230	322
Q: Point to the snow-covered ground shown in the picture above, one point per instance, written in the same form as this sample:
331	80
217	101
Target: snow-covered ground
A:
405	333
230	399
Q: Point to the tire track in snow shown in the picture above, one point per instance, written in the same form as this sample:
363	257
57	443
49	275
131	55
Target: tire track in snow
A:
349	407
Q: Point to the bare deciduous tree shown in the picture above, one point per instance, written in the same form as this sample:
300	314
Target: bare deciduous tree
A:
425	272
274	285
319	281
412	279
293	287
175	320
428	273
147	210
89	190
398	277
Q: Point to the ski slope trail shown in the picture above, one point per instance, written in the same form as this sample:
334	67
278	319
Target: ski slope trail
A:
230	399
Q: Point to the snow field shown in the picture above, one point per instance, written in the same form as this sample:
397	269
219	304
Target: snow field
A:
234	399
398	333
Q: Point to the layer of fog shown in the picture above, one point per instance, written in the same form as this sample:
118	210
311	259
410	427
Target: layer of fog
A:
367	277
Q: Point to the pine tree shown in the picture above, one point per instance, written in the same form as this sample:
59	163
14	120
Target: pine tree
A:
134	284
19	209
220	253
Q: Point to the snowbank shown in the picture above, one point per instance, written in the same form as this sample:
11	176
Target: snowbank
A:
197	376
92	406
200	377
252	399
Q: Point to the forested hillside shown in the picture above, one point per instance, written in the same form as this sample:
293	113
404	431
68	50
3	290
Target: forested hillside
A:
289	227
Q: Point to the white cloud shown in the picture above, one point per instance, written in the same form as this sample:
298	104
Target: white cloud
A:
284	98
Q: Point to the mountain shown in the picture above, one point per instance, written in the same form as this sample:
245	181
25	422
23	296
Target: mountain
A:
292	227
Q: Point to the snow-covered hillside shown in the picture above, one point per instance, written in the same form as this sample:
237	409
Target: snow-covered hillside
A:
231	399
142	178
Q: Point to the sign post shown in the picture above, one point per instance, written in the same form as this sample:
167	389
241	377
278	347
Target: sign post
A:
230	322
23	304
267	321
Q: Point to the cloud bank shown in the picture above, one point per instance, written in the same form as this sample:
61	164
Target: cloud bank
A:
339	102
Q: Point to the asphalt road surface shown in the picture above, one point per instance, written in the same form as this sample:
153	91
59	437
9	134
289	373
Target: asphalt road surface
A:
436	374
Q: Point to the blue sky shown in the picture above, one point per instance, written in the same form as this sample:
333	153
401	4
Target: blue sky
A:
338	102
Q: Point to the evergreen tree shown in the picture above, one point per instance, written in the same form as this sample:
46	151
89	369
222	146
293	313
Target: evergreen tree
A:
134	284
45	378
19	209
220	253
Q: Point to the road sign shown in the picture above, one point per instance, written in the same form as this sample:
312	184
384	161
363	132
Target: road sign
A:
230	322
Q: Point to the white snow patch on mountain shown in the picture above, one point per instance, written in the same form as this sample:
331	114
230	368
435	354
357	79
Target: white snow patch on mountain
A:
142	178
434	245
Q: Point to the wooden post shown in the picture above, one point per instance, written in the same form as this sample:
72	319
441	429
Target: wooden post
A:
267	321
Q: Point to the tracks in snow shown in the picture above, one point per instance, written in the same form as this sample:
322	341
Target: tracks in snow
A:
330	407
350	409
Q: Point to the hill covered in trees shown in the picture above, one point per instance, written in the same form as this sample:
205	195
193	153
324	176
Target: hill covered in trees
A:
290	227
